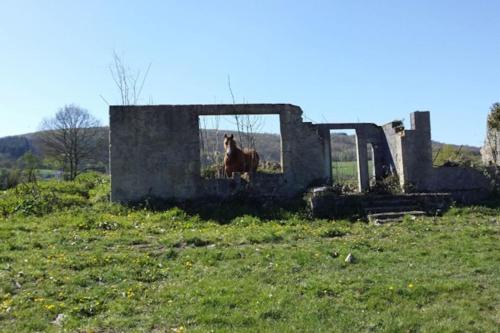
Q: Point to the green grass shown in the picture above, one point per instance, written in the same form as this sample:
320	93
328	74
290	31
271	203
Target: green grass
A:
110	269
346	172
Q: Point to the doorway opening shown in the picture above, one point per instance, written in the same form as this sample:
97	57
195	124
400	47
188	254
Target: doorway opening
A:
344	160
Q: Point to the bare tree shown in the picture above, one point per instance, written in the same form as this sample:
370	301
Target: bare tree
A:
236	116
210	151
250	124
129	82
70	137
246	125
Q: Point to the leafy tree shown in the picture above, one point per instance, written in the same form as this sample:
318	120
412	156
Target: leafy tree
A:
10	178
71	137
4	178
29	164
493	132
494	117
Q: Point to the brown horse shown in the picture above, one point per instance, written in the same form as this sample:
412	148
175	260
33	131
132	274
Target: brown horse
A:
237	160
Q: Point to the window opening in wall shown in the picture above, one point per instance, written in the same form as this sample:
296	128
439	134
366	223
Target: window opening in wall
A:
260	133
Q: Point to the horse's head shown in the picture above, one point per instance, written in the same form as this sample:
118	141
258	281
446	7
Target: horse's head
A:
229	145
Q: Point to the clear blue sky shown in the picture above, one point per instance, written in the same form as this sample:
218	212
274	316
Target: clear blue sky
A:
341	61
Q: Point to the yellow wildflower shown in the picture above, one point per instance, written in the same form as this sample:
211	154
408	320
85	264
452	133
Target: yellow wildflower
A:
130	293
50	307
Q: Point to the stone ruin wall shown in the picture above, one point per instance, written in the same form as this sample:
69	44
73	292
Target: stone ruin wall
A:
155	153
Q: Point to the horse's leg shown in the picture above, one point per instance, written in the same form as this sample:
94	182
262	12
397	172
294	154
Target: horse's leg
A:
229	171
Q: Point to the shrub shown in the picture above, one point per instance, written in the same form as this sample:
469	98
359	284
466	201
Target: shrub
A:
100	192
52	195
9	178
212	171
388	185
90	179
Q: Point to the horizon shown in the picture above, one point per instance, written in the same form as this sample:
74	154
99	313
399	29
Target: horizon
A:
222	131
340	62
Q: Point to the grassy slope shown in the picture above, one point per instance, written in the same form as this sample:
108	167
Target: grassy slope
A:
108	268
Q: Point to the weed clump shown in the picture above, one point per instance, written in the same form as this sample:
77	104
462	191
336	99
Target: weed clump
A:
45	197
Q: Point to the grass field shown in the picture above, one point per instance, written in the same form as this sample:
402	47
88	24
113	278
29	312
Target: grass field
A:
346	172
107	268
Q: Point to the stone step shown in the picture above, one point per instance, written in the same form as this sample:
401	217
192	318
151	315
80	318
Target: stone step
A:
381	218
392	208
392	201
326	203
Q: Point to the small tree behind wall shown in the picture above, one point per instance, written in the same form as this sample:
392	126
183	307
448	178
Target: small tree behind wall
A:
246	125
129	83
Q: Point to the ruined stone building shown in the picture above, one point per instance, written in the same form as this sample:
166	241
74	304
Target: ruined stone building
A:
155	152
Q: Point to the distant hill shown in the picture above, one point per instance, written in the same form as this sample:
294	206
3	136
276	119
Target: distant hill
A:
13	147
268	146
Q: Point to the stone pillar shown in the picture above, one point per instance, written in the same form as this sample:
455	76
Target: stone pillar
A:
327	154
417	153
421	121
362	155
303	153
379	162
